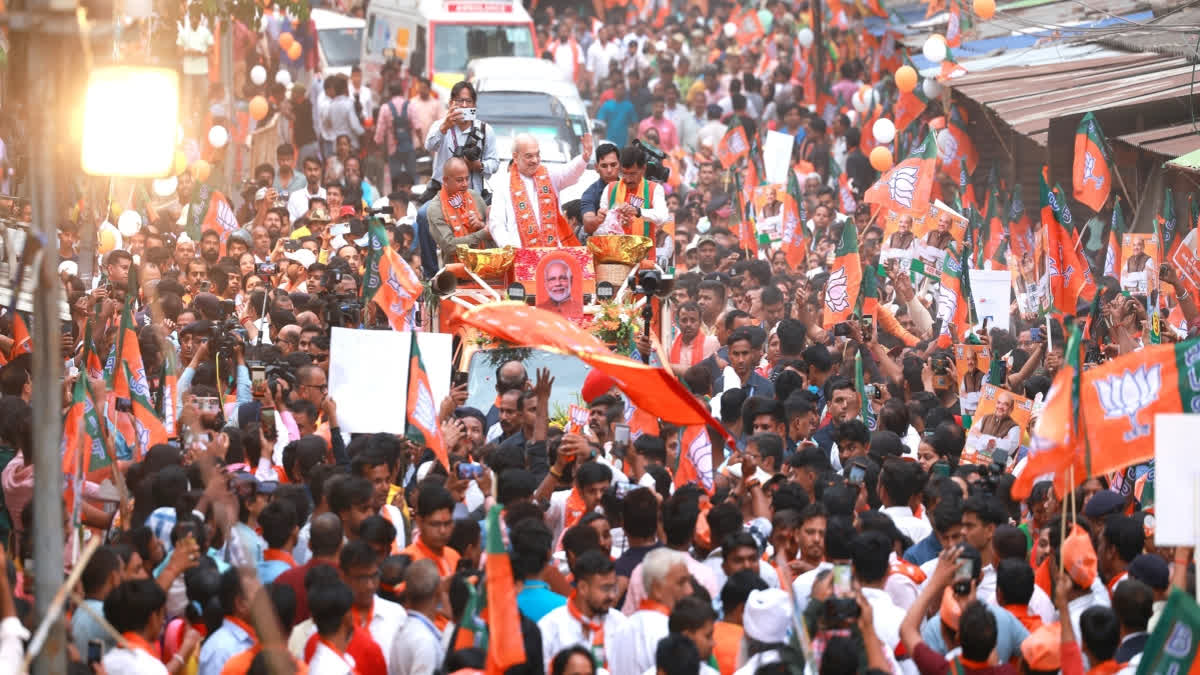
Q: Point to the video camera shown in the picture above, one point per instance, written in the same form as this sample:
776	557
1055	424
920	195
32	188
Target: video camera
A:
227	333
655	170
342	310
472	148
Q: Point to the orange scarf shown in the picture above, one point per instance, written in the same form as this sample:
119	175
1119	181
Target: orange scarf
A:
244	626
595	627
546	226
619	194
456	209
654	606
136	641
360	620
445	562
696	350
282	556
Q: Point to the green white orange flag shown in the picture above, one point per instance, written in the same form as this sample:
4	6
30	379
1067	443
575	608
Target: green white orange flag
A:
795	237
845	281
1116	232
1070	275
422	427
906	187
1174	645
1114	427
505	647
1091	174
22	341
733	146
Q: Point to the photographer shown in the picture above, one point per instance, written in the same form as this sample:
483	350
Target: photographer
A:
641	204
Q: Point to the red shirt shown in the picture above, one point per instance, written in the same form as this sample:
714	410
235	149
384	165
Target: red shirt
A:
295	579
930	662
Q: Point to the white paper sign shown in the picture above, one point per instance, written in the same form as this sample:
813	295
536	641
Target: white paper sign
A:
777	156
368	376
991	290
1175	479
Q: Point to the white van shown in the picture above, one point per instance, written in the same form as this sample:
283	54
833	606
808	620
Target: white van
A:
341	40
438	38
516	74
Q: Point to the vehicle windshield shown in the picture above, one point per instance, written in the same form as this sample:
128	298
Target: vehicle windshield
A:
511	113
341	46
568	371
456	44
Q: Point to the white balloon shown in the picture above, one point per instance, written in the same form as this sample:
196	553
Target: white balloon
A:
931	87
883	130
218	136
730	29
863	100
805	37
129	223
283	77
165	187
258	75
934	48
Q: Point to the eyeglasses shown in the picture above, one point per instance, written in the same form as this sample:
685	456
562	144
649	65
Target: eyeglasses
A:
322	387
463	101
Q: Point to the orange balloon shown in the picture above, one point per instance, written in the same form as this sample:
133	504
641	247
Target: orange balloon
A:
286	41
181	163
985	9
906	78
881	158
258	108
295	51
200	170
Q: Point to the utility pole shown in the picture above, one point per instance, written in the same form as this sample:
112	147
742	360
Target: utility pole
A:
231	150
818	60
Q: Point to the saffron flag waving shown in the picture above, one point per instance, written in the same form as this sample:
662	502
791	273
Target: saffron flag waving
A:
1116	234
81	432
845	282
1117	401
505	646
955	309
422	427
733	146
694	462
210	210
22	342
906	187
396	287
130	383
1070	275
954	143
1091	174
794	234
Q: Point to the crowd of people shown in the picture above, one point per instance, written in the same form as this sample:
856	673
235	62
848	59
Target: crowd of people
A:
852	522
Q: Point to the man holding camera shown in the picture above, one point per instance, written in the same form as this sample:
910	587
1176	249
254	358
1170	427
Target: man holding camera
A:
640	204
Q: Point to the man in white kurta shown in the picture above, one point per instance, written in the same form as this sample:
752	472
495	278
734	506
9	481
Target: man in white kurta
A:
665	575
588	619
527	158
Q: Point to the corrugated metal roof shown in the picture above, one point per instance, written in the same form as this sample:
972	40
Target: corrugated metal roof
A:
1171	141
1190	161
1173	33
1026	98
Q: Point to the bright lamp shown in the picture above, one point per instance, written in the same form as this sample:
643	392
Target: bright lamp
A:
130	115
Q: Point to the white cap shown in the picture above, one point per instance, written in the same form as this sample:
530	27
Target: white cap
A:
70	267
767	615
303	256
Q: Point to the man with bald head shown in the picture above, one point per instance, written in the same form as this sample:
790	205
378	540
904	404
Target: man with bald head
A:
510	375
459	213
288	339
999	429
525	209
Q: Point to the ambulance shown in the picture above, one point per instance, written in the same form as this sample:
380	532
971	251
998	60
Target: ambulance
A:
438	38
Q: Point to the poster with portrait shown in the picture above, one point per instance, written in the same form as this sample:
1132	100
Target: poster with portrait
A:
1031	276
972	362
999	421
1140	255
559	284
922	237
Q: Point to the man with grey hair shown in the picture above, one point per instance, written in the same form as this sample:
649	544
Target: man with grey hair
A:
665	578
525	210
558	283
417	648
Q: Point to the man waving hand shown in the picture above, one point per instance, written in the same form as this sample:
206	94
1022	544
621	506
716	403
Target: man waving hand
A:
526	211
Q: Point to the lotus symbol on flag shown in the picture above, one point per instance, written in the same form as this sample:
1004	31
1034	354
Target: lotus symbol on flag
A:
1126	394
902	185
947	146
836	298
1089	165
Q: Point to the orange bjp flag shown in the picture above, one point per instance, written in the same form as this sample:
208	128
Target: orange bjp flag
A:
733	146
845	282
22	342
794	234
694	463
1070	275
398	289
1091	174
505	645
906	187
422	427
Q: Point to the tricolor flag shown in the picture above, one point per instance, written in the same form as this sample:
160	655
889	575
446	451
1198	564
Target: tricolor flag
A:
694	463
845	282
505	645
1091	174
1070	275
422	427
792	228
906	187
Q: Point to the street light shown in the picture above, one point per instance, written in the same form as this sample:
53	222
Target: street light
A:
130	116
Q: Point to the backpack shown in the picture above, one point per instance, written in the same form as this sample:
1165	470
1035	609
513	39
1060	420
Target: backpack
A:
401	129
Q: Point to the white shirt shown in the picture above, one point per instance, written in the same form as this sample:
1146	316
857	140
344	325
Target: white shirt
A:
888	616
325	661
599	56
387	618
567	57
195	43
121	661
760	659
365	98
631	648
396	518
560	630
913	527
417	647
297	204
802	586
502	221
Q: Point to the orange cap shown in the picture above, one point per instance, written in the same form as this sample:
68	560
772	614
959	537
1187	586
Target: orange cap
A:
1079	558
951	611
1042	650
